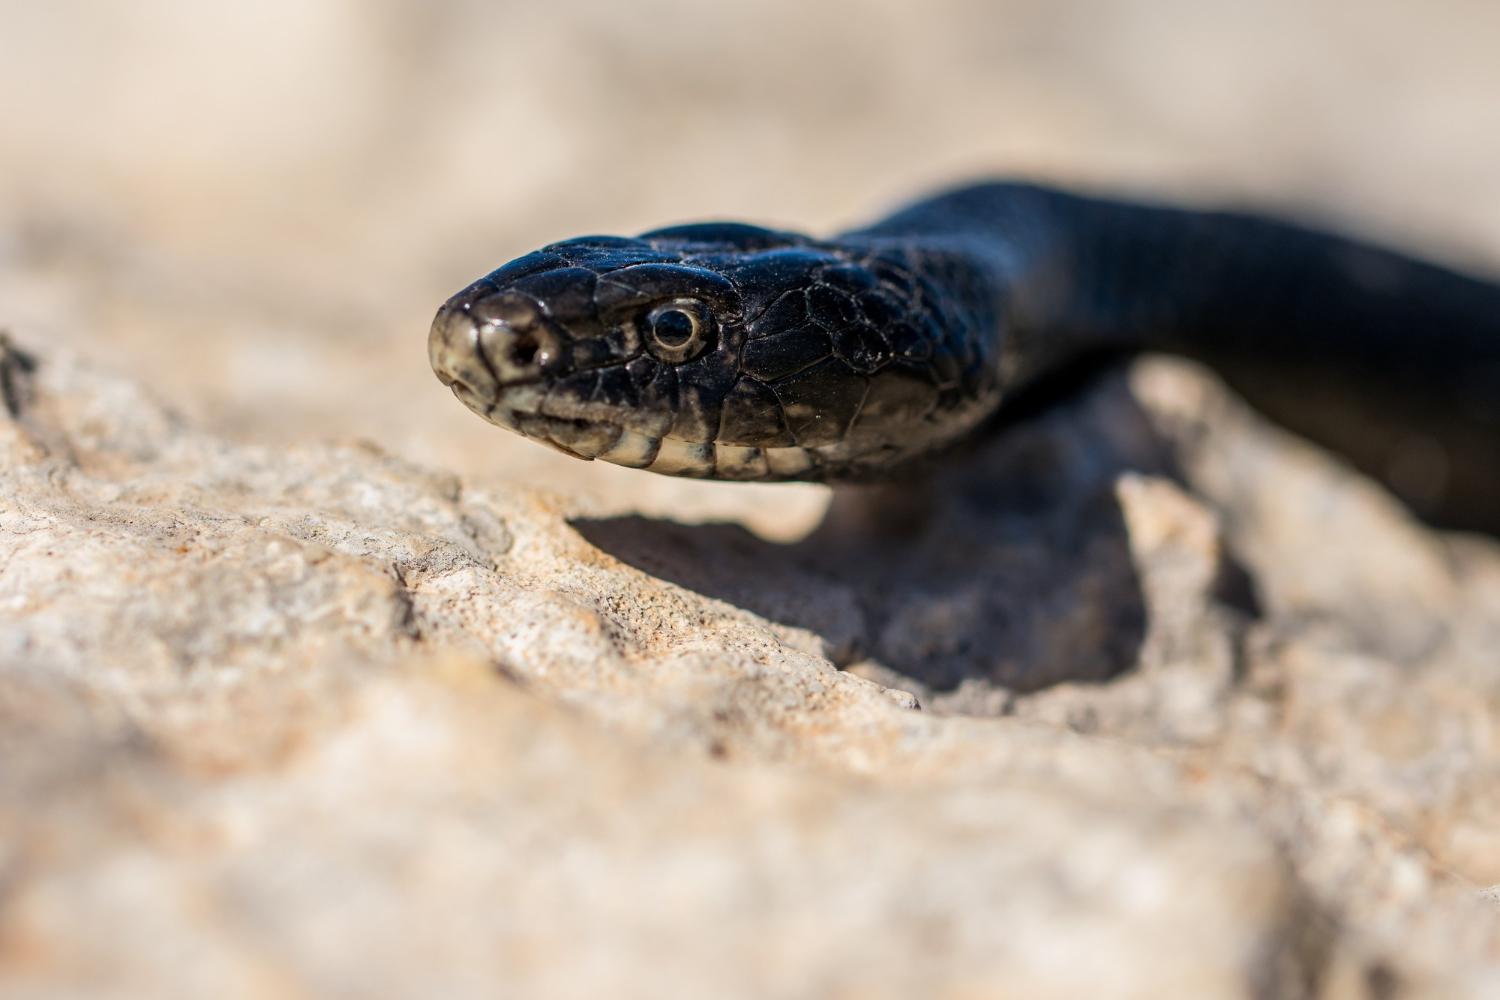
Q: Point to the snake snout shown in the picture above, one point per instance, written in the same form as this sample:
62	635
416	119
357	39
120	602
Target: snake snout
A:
480	355
453	351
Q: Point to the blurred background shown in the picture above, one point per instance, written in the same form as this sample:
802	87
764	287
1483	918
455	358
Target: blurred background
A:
256	208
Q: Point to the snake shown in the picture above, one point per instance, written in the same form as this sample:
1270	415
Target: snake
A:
726	350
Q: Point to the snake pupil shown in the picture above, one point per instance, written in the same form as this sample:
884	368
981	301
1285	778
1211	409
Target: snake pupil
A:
674	327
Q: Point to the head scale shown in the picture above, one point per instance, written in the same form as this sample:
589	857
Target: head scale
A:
717	350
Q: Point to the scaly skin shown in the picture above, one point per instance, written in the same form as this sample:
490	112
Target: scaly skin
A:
729	351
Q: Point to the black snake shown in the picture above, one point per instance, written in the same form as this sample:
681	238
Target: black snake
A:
730	351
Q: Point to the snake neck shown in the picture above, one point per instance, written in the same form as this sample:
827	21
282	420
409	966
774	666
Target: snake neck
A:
1391	360
1094	273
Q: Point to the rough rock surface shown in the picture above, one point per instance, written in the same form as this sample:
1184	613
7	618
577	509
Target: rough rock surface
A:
287	714
314	720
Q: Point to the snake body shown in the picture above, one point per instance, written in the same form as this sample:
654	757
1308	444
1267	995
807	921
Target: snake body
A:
731	351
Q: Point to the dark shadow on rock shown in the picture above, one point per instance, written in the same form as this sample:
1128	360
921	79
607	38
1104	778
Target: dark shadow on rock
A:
1009	565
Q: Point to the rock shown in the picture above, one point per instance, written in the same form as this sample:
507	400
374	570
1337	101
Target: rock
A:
1144	671
1146	699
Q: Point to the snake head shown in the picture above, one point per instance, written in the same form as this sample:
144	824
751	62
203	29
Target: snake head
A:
715	350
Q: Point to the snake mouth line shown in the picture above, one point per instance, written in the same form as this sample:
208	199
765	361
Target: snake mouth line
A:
580	438
608	442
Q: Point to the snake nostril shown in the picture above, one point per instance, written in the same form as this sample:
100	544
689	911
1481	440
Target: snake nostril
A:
523	350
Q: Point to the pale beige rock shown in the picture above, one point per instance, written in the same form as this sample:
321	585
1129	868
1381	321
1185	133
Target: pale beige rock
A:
315	720
449	714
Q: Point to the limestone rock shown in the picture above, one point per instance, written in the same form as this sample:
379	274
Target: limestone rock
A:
1144	671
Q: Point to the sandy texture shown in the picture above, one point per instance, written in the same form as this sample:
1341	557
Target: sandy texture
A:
318	719
311	683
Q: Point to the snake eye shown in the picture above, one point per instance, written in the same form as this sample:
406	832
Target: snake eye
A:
678	330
